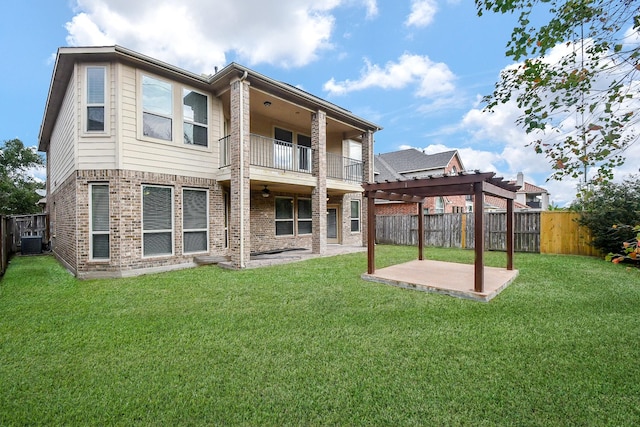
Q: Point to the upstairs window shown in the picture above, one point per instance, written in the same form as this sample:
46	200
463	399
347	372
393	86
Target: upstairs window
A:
96	79
194	107
157	111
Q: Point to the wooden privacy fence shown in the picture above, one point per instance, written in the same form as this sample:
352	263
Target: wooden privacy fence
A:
538	232
13	228
561	234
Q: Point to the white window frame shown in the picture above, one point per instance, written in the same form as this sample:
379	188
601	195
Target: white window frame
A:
173	227
198	230
192	122
305	220
439	205
292	220
93	232
143	111
104	104
177	116
357	219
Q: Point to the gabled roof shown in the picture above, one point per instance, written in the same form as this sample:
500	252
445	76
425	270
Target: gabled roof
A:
392	166
500	203
67	57
530	188
412	160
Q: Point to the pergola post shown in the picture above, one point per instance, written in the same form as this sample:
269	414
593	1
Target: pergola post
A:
421	231
371	234
510	248
478	207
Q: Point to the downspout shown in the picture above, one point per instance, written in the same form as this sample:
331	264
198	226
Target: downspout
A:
241	192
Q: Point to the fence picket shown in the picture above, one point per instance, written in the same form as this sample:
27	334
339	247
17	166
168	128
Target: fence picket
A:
456	230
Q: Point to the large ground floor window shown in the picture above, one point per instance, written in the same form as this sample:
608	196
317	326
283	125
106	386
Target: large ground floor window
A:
99	221
293	216
157	220
195	225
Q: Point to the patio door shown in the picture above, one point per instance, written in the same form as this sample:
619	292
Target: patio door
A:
333	230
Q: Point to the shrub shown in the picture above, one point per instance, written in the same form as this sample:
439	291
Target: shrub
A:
607	204
630	248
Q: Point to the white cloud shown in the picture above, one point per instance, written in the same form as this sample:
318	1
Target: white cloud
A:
432	78
422	13
199	34
372	8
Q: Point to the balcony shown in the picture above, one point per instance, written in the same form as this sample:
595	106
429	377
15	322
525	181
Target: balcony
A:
344	168
281	155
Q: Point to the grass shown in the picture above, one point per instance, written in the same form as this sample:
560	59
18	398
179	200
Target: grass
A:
312	344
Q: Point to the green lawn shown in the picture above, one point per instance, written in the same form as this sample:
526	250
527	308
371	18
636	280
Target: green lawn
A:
312	344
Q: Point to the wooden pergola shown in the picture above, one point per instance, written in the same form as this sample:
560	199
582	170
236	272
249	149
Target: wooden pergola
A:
415	191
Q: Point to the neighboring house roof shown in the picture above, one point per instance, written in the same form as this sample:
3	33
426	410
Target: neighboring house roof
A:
384	172
217	83
391	166
530	188
494	202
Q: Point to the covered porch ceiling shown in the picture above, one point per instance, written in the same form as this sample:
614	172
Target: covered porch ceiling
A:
474	183
268	105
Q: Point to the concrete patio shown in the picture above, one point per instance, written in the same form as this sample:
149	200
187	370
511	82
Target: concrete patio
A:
446	278
294	255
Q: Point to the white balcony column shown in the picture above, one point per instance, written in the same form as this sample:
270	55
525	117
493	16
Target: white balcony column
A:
367	171
319	194
240	192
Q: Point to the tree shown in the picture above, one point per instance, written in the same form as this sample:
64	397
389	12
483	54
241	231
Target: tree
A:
18	189
610	210
577	84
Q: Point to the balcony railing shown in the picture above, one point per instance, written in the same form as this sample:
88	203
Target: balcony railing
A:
344	168
282	155
225	157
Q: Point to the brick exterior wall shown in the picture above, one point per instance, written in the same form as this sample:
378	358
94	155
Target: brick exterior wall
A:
368	162
240	195
61	205
396	209
263	220
72	224
319	195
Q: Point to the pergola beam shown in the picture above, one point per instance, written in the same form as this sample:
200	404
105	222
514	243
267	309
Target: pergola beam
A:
494	190
428	182
414	191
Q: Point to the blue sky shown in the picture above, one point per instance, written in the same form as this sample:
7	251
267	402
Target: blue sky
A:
418	68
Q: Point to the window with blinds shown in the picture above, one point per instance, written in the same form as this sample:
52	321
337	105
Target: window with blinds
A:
157	220
194	220
96	79
99	239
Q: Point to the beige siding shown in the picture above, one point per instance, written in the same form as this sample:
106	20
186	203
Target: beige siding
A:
61	153
165	157
98	151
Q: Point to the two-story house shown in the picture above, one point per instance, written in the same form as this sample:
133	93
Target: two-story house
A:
414	164
150	166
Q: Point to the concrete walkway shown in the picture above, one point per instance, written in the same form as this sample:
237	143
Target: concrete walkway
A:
289	256
445	278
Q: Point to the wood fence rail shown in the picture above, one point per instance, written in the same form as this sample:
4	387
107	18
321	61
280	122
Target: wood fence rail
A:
536	232
13	228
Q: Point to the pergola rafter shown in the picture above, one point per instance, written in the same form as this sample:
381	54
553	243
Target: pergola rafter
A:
416	190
